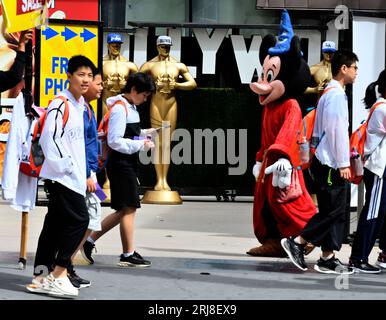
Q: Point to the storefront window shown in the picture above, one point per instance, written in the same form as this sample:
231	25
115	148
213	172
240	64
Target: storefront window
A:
229	12
172	11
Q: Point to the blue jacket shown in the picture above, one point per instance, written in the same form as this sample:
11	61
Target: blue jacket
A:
91	141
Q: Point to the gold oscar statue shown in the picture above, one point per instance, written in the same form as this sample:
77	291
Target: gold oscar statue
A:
165	71
322	75
116	70
321	72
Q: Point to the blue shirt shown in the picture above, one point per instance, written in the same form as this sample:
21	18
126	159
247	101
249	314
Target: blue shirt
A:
90	140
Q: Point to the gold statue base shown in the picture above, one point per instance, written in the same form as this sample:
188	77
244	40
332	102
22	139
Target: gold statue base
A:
161	197
108	196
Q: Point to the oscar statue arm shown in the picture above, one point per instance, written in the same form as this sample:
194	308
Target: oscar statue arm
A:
313	90
133	68
189	83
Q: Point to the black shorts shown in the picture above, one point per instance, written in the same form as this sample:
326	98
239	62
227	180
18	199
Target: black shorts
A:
123	186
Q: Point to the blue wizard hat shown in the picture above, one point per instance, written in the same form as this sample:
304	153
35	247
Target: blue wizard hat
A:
285	37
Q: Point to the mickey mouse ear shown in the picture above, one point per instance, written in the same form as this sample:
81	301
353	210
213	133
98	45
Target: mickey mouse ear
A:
285	37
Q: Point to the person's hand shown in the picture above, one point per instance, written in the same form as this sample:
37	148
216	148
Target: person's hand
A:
281	173
172	83
280	166
345	173
91	186
256	169
284	181
150	131
25	36
148	144
160	83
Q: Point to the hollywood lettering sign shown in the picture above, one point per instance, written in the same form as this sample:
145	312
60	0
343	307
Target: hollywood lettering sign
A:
247	60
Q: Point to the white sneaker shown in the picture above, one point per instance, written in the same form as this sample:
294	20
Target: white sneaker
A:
38	285
61	287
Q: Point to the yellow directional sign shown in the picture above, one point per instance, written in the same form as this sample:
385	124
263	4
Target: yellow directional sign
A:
58	44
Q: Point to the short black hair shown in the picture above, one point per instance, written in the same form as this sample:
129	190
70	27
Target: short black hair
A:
96	71
371	97
79	61
340	58
142	82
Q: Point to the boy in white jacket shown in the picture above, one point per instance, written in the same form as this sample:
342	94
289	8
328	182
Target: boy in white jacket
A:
64	171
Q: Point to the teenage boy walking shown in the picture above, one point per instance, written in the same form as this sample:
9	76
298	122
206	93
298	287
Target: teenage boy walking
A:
93	203
331	170
64	172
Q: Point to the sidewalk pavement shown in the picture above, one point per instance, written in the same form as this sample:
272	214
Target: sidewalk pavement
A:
197	251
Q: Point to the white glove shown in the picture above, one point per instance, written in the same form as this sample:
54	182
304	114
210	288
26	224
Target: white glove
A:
256	169
284	181
281	173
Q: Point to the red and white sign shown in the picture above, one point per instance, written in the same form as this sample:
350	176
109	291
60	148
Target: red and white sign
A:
26	6
87	10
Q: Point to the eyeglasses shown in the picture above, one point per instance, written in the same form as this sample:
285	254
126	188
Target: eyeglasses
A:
354	66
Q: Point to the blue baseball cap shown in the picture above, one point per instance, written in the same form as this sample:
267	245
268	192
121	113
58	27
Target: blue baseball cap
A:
114	38
328	46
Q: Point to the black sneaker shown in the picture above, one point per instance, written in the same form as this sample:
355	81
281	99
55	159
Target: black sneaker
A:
332	265
361	266
295	251
77	281
86	251
135	260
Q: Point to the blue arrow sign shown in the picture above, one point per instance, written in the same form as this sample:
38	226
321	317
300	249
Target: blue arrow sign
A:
87	35
68	34
49	33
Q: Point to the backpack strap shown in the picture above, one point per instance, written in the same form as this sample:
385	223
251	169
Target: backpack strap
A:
66	113
88	111
373	109
315	143
327	89
121	103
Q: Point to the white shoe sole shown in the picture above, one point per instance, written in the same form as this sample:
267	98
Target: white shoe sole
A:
35	289
357	270
327	271
131	265
283	243
381	265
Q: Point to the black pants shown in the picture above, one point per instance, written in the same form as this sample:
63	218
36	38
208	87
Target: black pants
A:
326	228
64	227
371	220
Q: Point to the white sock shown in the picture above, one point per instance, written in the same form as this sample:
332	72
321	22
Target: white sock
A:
328	257
128	254
89	239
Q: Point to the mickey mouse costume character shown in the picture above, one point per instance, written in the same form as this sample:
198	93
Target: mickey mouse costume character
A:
285	76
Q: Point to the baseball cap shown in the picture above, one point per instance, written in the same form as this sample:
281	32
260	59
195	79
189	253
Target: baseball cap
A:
114	38
164	40
328	46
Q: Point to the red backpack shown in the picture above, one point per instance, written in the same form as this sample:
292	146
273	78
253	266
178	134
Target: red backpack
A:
307	147
103	129
32	163
357	149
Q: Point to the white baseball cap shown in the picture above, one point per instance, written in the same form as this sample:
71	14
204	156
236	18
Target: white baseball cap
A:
328	46
164	40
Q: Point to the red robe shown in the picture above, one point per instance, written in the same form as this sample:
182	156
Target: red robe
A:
281	121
